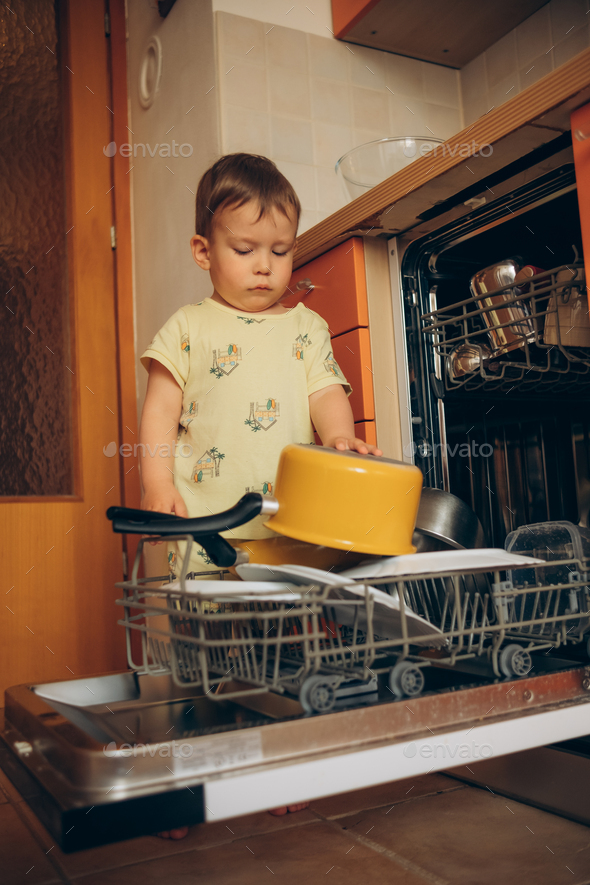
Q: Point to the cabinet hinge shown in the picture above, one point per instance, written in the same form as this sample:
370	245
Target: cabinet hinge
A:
113	237
107	25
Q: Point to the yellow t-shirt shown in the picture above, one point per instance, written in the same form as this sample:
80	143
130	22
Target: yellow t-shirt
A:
246	380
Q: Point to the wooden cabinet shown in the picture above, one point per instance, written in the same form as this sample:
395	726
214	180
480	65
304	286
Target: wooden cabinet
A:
353	354
580	120
337	291
451	33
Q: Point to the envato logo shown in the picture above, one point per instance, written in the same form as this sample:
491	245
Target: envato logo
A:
460	149
463	450
174	750
446	751
162	150
126	450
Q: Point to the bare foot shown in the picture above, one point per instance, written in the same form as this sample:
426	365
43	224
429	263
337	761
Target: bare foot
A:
286	808
178	833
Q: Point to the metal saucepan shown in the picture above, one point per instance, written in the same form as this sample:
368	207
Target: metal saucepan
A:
445	521
509	322
325	497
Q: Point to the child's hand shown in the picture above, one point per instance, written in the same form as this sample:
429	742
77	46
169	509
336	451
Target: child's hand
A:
164	499
344	444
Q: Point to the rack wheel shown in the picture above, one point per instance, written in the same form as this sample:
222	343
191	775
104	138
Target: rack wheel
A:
317	694
515	661
406	680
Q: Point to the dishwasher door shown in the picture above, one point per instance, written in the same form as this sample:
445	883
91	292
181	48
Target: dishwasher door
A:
117	756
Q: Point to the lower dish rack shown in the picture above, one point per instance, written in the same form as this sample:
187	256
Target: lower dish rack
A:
310	643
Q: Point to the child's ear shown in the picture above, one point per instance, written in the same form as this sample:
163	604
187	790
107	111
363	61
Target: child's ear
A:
200	250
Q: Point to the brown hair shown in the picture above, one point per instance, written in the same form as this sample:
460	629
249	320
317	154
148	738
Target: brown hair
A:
237	179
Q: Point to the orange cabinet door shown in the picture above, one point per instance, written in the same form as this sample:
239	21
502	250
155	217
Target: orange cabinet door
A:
353	354
366	431
580	120
339	292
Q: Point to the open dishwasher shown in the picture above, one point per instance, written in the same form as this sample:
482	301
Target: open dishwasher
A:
239	704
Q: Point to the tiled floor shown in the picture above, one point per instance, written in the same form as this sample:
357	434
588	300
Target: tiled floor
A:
430	830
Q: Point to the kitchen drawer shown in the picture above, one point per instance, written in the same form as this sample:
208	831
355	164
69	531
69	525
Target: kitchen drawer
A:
353	354
366	431
340	290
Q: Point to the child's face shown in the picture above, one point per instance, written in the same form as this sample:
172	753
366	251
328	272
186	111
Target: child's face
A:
250	261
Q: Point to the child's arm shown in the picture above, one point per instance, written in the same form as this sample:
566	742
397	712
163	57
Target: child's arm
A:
332	417
159	426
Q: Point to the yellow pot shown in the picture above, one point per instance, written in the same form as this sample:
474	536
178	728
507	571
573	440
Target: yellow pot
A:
346	500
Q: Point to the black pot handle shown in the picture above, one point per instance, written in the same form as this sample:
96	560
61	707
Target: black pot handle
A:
204	529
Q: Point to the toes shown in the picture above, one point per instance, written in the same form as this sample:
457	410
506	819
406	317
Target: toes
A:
278	811
179	833
299	807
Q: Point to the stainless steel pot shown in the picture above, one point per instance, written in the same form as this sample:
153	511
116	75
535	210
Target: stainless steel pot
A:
509	322
445	521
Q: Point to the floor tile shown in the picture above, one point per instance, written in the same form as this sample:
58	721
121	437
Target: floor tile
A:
21	859
383	794
133	851
472	837
301	854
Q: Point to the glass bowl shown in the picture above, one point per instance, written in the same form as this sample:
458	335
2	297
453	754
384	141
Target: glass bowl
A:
369	164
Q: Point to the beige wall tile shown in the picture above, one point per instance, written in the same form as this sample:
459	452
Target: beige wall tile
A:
441	85
576	42
533	37
501	59
404	76
407	116
475	109
566	14
291	140
286	47
330	194
308	219
364	136
302	178
289	92
503	91
245	130
474	79
241	37
329	58
330	101
369	109
330	142
245	85
443	122
535	69
367	67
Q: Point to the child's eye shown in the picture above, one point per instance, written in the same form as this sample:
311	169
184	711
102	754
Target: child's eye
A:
279	253
237	251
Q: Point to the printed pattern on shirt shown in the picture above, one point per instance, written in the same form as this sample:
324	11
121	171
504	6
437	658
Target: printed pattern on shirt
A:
263	415
185	344
249	320
189	414
265	488
226	360
331	366
207	465
301	342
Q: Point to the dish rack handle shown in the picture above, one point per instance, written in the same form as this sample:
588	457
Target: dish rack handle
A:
204	529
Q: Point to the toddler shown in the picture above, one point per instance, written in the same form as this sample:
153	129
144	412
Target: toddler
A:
238	376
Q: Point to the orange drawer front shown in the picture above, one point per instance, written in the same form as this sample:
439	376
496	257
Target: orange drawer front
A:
365	430
353	354
340	290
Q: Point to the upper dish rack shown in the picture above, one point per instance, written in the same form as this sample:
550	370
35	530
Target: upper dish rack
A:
536	315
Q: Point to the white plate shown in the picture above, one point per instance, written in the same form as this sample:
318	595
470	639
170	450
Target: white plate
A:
439	562
244	591
386	613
